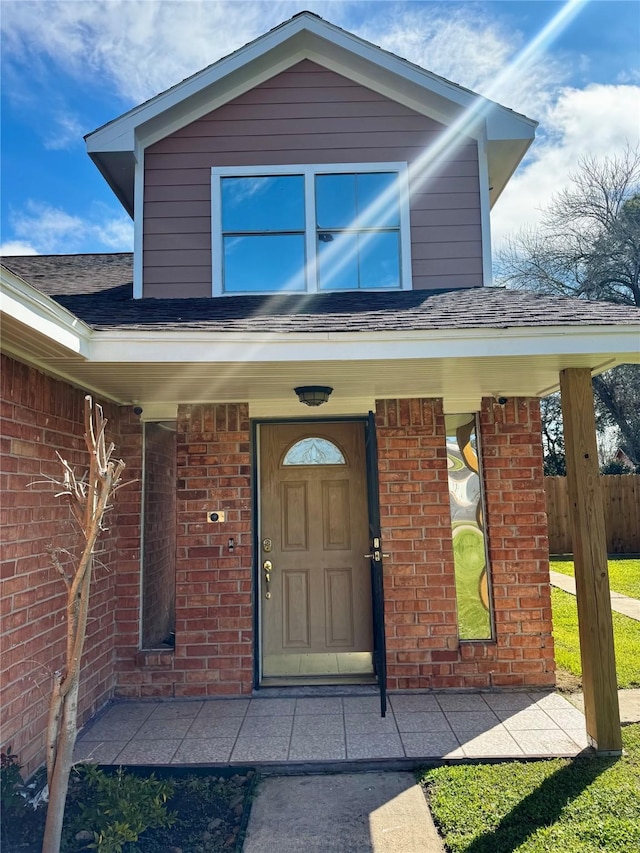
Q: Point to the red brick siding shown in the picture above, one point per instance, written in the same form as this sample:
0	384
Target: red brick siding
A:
423	649
214	630
214	626
127	639
511	442
159	560
39	416
419	585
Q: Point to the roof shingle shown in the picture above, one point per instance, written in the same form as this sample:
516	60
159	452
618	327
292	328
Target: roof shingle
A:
98	289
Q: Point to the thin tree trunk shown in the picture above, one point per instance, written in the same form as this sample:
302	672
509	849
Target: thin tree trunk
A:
89	500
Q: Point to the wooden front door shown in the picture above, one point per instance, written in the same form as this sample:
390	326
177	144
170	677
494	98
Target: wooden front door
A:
315	581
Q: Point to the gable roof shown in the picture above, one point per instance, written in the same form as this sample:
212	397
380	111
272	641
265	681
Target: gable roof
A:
98	290
116	146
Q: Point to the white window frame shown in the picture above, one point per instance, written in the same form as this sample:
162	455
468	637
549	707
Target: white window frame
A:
309	172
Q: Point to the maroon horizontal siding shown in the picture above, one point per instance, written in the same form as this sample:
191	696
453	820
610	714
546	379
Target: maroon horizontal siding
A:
306	115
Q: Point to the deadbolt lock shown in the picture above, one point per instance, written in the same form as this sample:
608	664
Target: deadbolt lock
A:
267	545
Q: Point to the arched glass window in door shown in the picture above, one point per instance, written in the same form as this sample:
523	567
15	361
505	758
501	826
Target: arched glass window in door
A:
314	451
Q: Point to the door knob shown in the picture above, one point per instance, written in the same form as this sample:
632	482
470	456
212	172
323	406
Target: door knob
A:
267	567
377	556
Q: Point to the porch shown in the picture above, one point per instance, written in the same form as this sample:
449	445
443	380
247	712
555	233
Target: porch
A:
335	731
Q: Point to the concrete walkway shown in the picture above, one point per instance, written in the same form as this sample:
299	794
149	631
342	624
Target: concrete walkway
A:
620	603
628	702
384	812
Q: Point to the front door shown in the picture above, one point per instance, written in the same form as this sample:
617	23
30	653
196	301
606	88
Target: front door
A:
315	581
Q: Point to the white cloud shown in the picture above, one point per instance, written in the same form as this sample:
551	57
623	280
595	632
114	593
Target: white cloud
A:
136	48
468	47
139	48
66	132
15	247
41	228
598	120
45	227
115	234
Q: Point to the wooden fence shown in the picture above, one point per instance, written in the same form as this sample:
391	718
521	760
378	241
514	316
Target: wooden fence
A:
621	494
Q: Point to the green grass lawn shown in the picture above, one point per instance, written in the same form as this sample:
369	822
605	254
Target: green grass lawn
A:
624	575
626	636
582	805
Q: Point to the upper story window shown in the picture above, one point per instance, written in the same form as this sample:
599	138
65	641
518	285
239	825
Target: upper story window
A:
310	228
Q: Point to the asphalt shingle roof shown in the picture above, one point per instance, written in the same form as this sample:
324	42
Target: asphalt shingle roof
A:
98	289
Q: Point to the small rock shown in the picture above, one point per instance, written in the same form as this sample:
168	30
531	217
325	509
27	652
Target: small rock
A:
238	809
84	835
206	836
215	823
174	849
230	841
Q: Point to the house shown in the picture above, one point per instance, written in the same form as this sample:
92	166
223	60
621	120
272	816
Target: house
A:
330	419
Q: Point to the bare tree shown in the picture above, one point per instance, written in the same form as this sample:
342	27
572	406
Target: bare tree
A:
588	245
89	498
588	242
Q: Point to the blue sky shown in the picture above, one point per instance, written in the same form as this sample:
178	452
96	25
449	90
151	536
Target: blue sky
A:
69	67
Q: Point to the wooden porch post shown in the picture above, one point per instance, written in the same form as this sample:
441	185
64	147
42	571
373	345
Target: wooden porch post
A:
590	559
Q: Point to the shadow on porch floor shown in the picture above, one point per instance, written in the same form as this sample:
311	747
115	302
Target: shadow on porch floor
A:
334	730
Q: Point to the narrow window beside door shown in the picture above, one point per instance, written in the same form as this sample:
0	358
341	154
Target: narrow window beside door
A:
468	528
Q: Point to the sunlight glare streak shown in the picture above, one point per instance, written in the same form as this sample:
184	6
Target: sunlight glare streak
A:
420	170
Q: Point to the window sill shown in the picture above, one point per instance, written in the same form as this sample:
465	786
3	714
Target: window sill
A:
155	658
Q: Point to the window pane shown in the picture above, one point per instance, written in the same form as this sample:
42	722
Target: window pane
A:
379	259
467	523
337	261
378	199
263	203
335	201
314	451
268	263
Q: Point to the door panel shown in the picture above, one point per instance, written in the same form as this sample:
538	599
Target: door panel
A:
317	622
295	610
339	607
295	516
336	521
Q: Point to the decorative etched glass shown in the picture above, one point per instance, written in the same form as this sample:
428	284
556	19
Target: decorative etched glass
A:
467	523
314	451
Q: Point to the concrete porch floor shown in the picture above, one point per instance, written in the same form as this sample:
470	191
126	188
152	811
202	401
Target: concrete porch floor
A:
334	730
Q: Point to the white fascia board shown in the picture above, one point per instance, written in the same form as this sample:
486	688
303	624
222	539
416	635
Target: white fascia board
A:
29	306
617	342
485	212
283	47
138	224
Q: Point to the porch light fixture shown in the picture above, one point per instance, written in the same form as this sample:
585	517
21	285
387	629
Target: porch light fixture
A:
313	395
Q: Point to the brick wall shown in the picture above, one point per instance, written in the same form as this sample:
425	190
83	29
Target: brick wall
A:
39	416
419	585
518	548
159	560
214	627
129	678
214	631
423	649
